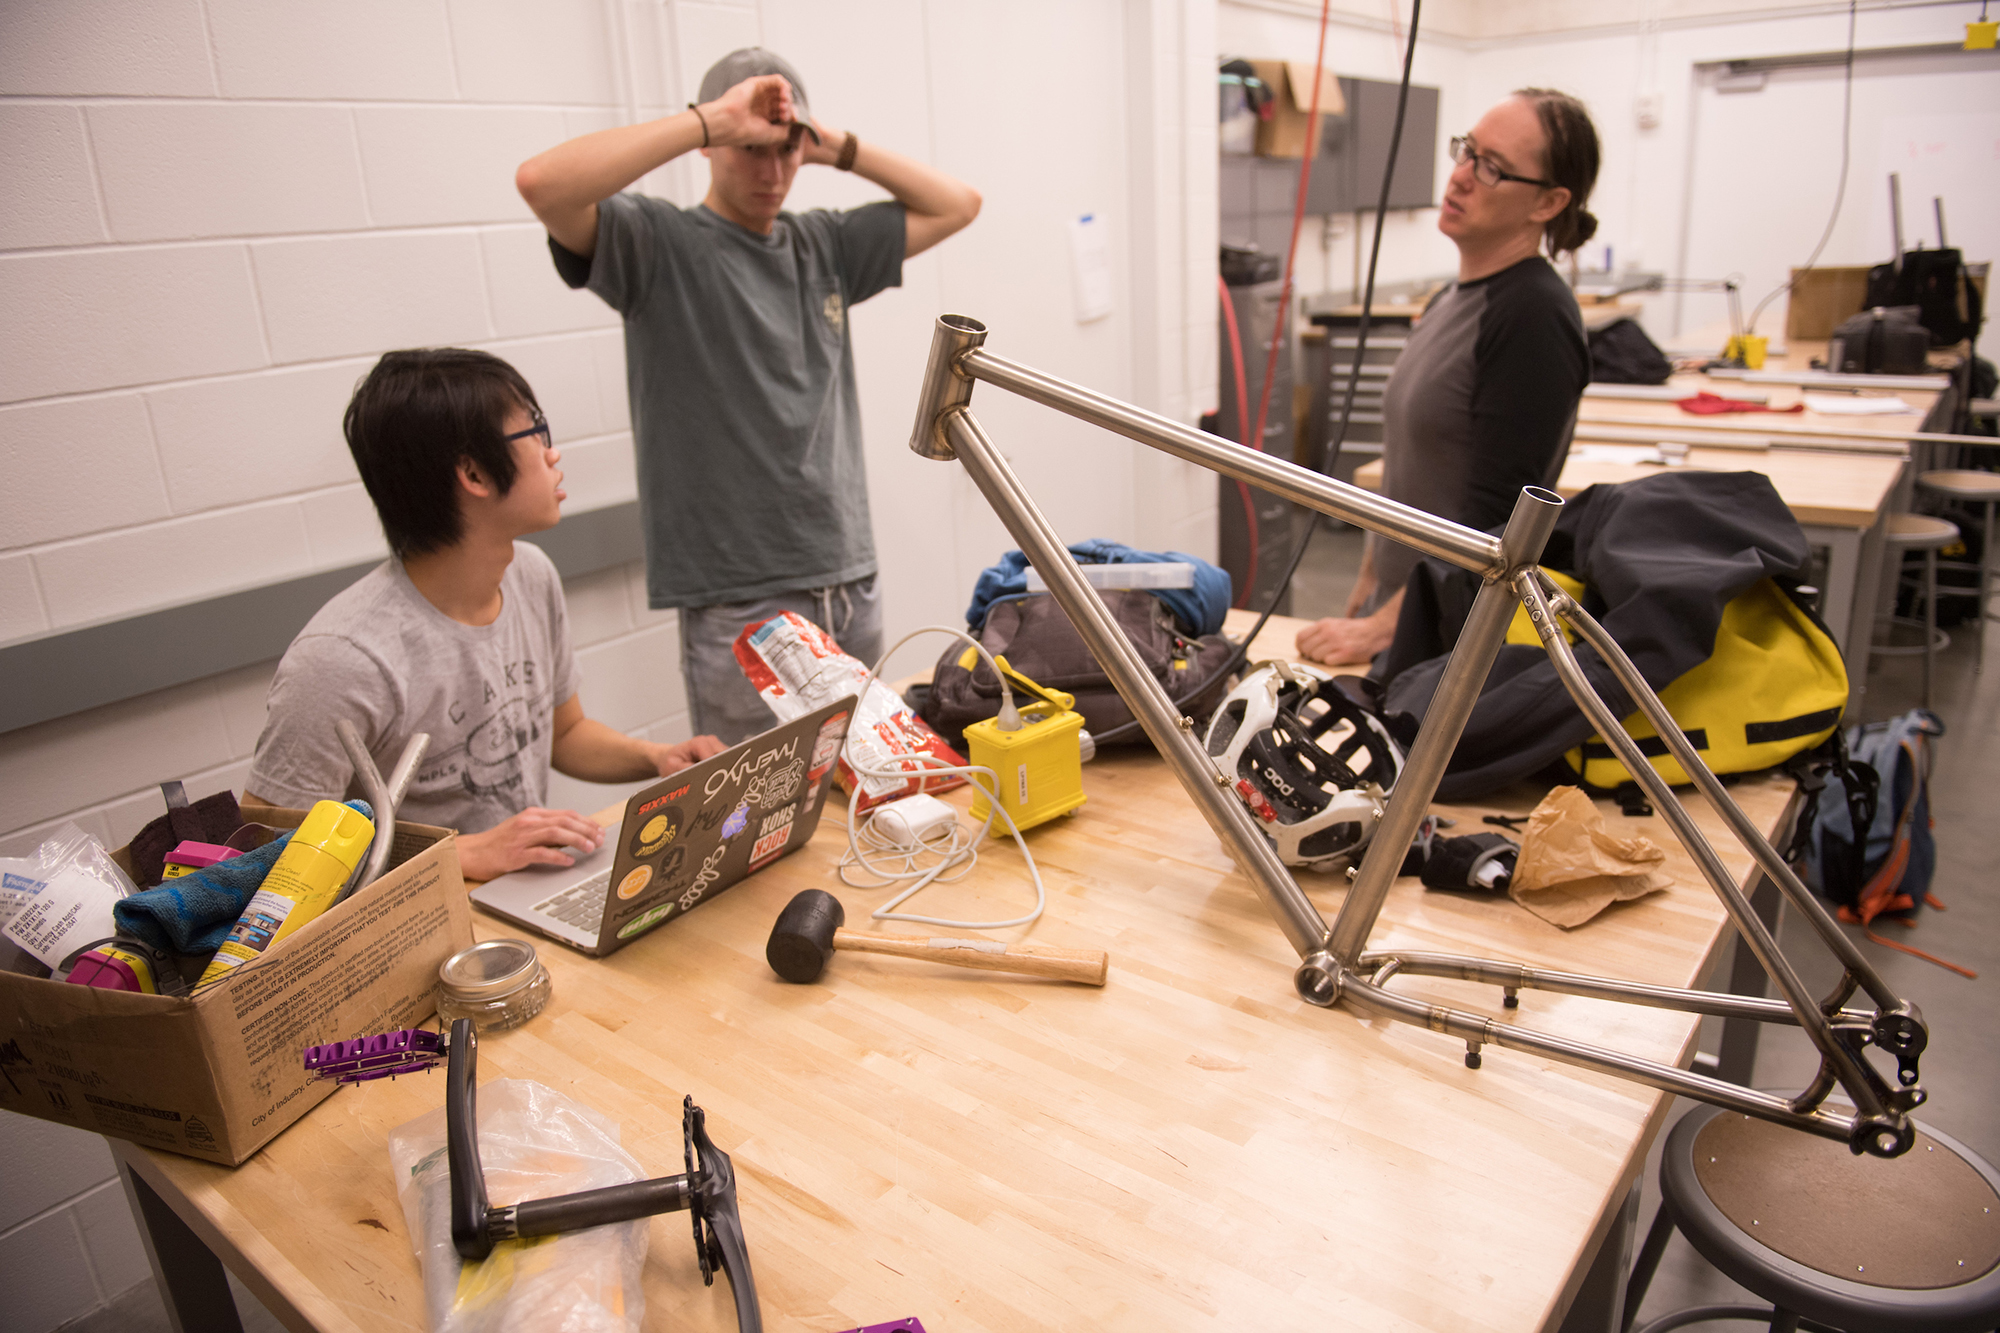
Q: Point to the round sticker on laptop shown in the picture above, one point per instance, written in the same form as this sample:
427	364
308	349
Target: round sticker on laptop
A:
654	835
632	884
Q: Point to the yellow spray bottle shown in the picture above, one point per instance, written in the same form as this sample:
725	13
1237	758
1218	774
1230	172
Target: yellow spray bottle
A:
307	878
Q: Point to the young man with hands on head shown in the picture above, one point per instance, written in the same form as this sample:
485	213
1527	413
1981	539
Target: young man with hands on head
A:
462	633
738	359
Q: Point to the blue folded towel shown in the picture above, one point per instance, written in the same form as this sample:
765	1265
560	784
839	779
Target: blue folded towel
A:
193	914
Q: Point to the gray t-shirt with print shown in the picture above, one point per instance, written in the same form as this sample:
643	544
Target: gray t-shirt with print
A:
380	654
741	377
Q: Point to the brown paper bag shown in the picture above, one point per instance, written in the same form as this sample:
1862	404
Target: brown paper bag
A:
1571	867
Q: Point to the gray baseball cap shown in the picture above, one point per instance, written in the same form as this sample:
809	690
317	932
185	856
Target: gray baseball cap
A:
748	63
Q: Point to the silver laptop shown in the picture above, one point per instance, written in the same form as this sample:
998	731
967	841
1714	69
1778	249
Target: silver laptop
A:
683	840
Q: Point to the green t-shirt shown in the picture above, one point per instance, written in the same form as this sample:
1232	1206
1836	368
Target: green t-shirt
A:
741	376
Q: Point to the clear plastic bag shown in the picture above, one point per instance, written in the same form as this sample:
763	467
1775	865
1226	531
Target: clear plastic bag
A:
534	1143
58	900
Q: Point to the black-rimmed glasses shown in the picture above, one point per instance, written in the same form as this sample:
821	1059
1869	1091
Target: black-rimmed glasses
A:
1484	169
541	428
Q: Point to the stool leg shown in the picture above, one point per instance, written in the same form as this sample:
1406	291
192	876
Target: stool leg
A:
1930	619
1646	1265
1985	568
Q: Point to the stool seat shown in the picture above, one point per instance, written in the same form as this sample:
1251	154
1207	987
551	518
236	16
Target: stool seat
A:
1962	483
1983	489
1919	532
1908	1244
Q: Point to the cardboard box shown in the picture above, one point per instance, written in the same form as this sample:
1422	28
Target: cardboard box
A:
218	1075
1821	298
1290	131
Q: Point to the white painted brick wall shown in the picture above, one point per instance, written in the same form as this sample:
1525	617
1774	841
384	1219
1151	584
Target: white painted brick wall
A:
21	613
564	375
527	295
241	438
437	165
341	527
506	47
51	198
361	50
337	296
174	172
109	476
118	48
124	573
218	212
80	320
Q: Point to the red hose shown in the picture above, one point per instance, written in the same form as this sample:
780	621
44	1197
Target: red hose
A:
1298	220
1242	403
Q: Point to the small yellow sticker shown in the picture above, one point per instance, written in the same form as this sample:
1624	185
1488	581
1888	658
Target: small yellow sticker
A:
640	877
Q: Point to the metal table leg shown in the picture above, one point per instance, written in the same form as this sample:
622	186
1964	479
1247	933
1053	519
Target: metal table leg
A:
1837	598
1738	1056
1600	1302
190	1277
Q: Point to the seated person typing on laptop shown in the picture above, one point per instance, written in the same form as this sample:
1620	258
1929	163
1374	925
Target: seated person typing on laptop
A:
462	633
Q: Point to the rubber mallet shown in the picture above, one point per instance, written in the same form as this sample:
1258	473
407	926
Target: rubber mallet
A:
809	930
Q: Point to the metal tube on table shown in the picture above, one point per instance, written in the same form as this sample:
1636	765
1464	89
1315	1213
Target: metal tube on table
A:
1527	584
1718	797
1162	721
1519	976
1453	542
945	385
1477	1030
1527	531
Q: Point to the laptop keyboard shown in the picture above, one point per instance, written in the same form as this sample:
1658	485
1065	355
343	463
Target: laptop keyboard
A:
580	905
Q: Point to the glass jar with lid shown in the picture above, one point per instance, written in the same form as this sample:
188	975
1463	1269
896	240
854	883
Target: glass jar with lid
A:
498	984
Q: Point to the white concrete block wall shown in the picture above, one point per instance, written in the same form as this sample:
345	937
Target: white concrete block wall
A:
219	213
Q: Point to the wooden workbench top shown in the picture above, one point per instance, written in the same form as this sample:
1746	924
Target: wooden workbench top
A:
1841	490
1190	1146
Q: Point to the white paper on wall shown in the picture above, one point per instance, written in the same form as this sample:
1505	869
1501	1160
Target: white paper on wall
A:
1090	267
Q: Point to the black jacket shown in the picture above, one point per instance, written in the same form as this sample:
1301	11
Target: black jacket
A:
1659	559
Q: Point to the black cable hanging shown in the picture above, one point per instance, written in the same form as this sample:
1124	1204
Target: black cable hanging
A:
1242	650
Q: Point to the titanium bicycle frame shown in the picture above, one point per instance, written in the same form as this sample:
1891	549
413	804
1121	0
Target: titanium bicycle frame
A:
1336	965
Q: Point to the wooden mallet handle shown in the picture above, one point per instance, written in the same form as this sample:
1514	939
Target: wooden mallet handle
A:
1036	960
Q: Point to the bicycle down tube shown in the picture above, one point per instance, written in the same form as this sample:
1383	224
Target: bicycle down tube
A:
1336	965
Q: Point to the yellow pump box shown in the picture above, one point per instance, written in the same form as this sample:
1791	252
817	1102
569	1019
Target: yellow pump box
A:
1039	768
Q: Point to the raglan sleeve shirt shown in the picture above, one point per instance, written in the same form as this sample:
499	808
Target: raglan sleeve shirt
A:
1482	402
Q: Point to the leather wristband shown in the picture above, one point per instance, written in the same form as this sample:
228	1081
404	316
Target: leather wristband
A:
704	123
847	151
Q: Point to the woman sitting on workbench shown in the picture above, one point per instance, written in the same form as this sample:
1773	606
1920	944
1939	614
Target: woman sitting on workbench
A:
1483	399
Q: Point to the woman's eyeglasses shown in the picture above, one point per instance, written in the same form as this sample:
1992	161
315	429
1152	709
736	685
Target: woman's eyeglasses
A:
1484	169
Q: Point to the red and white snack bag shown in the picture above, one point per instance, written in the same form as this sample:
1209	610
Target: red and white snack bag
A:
798	668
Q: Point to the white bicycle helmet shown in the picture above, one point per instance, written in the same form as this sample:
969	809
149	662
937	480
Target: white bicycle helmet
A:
1312	765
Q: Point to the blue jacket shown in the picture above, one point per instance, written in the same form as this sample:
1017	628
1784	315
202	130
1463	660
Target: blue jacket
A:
1201	607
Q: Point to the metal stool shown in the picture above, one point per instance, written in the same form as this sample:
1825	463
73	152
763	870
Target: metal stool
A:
1858	1244
1919	532
1981	488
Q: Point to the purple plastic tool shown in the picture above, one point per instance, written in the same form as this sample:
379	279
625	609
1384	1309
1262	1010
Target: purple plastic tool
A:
384	1055
910	1325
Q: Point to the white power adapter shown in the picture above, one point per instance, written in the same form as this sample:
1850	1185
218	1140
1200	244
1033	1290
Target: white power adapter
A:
907	825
